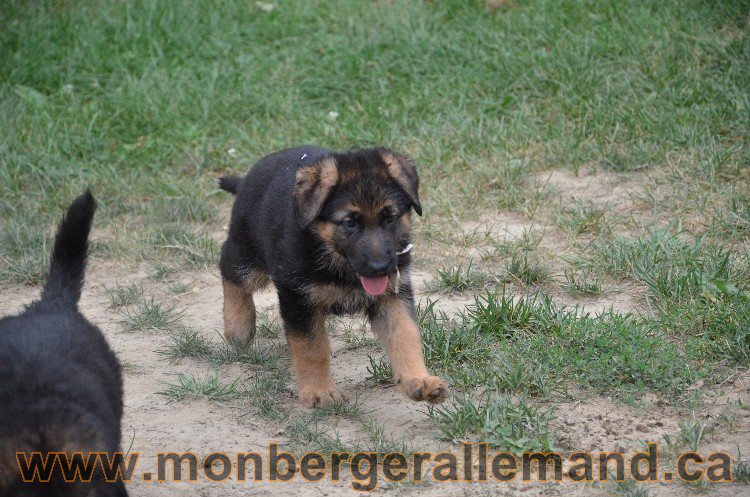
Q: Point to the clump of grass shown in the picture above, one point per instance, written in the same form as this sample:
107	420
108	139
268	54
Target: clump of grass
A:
454	348
628	488
379	371
267	357
267	390
527	270
161	271
197	249
502	316
25	253
180	288
583	282
458	279
691	434
186	343
608	352
583	218
121	296
741	471
150	315
351	409
503	423
734	222
354	340
210	387
521	374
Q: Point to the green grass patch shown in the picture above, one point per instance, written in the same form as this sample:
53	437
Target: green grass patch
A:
210	387
505	424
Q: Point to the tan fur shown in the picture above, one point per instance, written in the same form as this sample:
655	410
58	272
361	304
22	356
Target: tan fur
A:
313	185
403	172
311	355
397	330
239	314
325	232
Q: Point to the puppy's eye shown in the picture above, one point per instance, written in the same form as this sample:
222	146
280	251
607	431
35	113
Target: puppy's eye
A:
390	220
350	223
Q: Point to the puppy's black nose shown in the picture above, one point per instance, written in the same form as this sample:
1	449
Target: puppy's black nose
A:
377	265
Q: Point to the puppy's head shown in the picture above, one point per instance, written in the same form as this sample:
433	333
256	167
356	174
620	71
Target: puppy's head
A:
359	204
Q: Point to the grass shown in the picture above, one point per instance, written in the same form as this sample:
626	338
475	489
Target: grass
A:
505	424
150	315
458	279
88	100
123	296
210	387
146	103
582	282
583	218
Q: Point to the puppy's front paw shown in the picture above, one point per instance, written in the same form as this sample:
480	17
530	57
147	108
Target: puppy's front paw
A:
429	388
323	397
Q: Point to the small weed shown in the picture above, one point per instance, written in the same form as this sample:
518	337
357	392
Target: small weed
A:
354	340
121	296
503	423
180	288
691	434
583	218
267	357
267	391
380	371
458	279
190	387
150	315
629	488
186	343
527	270
583	282
161	272
741	471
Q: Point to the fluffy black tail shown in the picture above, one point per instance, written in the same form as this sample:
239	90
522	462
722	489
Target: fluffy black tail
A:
230	184
68	262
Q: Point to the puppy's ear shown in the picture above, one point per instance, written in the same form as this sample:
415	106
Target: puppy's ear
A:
403	171
311	190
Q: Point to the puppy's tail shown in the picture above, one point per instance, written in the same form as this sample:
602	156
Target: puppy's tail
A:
68	261
229	184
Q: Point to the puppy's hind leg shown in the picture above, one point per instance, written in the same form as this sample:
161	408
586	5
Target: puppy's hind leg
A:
239	314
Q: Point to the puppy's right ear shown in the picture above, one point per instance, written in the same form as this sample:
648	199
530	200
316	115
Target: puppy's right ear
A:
311	190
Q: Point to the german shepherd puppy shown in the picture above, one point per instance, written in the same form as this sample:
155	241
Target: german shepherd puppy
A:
60	384
331	230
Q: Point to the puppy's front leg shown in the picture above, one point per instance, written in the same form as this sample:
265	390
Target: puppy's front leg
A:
310	351
393	321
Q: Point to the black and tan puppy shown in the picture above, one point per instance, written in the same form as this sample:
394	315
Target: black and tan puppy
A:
60	385
331	230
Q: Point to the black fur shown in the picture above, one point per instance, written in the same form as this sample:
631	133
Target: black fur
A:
60	383
265	232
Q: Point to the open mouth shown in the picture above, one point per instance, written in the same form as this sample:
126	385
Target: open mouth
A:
374	286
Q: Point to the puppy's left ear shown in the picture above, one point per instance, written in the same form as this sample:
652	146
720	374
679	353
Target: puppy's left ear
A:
313	185
403	171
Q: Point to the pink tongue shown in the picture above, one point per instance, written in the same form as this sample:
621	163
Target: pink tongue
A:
374	286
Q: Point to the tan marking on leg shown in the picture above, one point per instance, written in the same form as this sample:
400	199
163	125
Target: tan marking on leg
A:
397	330
254	281
311	356
239	314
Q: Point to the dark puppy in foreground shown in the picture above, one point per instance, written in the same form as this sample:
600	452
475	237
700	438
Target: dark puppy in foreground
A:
332	231
60	385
